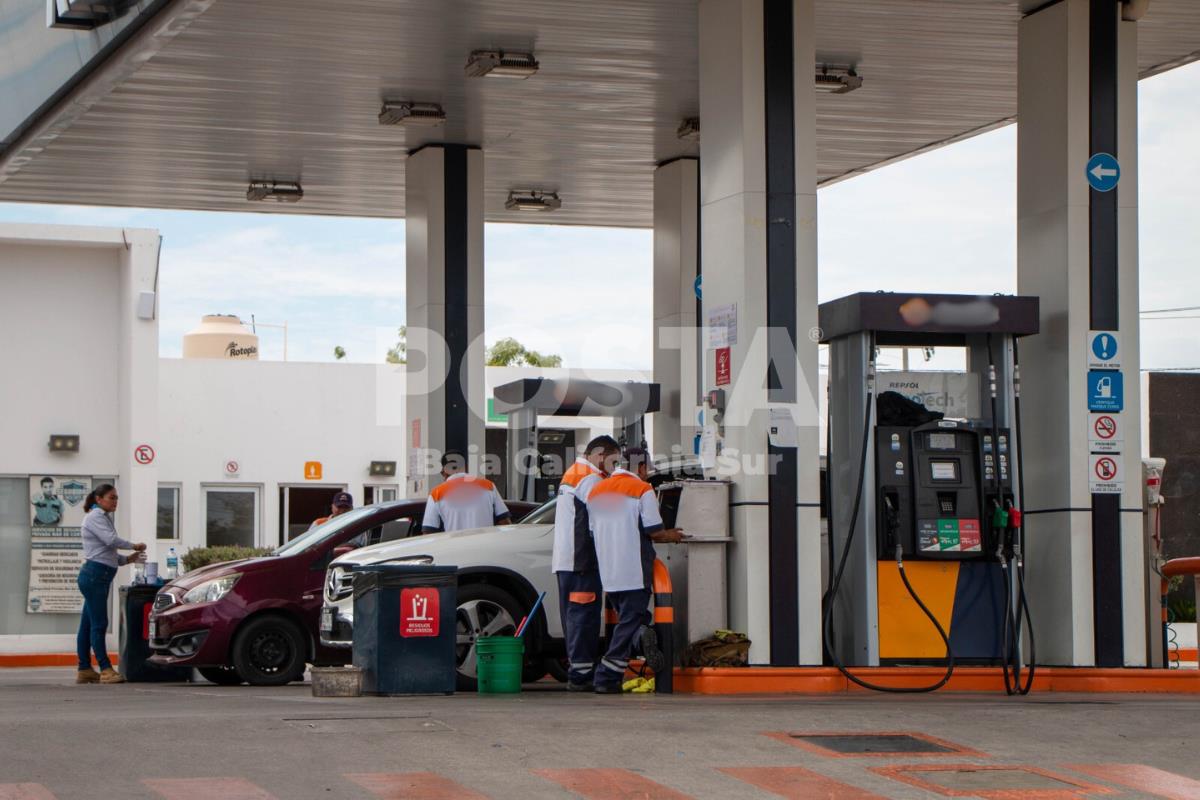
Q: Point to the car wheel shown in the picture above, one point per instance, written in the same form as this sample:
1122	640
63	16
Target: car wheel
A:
485	610
222	676
269	651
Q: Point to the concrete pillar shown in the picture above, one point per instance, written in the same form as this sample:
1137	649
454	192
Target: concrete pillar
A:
676	269
758	252
445	407
1078	253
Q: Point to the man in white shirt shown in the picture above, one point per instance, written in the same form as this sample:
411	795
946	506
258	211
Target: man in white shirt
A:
625	521
462	501
574	563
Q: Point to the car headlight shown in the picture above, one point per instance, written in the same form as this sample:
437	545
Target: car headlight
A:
211	591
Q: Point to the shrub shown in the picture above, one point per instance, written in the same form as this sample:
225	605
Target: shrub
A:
203	556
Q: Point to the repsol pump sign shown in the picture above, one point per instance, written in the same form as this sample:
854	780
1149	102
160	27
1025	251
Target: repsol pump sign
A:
955	394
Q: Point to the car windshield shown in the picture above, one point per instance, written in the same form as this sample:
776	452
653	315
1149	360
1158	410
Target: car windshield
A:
543	514
323	531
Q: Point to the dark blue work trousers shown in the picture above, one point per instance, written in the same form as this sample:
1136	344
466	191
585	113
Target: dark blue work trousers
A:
579	600
633	614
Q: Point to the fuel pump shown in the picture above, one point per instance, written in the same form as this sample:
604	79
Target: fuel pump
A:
925	516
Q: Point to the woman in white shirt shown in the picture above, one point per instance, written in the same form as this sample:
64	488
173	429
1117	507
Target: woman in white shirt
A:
101	559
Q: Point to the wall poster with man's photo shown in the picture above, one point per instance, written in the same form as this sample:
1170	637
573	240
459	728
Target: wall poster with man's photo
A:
56	545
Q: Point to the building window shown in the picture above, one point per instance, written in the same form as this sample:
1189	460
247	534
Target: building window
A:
231	516
380	494
168	512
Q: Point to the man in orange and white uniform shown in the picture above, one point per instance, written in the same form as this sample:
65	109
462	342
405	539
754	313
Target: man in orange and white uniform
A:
625	520
462	501
574	563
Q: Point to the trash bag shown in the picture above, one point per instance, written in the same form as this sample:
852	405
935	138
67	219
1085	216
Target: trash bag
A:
894	409
722	649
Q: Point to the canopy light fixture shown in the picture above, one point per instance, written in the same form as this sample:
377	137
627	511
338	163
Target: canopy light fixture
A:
86	14
689	129
532	200
408	113
273	190
837	80
500	64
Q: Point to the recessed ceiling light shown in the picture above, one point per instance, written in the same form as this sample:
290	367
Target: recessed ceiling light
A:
280	192
500	64
409	113
837	80
532	200
689	129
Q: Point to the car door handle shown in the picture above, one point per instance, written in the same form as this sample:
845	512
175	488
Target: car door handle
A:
307	596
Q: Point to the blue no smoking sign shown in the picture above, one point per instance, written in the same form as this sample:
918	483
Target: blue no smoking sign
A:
1103	172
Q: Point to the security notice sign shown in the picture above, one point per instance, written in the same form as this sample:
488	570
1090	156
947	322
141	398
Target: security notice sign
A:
1104	474
419	612
1105	434
56	545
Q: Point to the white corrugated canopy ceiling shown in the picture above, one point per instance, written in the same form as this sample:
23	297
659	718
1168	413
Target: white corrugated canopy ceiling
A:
290	90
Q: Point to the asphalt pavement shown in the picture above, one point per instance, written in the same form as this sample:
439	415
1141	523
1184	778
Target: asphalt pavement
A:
192	741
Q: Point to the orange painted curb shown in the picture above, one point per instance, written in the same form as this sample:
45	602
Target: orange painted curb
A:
825	680
43	660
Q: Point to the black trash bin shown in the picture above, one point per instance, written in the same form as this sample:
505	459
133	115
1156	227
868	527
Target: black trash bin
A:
404	628
136	603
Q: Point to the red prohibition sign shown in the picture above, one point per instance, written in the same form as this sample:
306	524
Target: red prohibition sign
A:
1106	469
143	454
1106	427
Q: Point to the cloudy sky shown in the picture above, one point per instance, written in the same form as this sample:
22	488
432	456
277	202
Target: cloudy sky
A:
943	221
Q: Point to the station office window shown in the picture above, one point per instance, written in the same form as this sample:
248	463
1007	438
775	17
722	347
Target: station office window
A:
231	516
168	512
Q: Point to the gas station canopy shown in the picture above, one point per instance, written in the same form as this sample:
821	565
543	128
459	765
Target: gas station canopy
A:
210	95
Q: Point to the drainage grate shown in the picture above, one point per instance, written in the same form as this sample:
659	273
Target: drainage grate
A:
1015	779
873	743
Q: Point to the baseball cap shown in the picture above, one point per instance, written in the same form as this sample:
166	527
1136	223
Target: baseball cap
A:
343	500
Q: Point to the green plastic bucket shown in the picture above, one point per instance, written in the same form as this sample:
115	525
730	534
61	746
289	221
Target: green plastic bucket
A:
499	662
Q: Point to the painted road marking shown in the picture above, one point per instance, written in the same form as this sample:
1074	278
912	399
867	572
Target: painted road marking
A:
797	782
1143	779
25	791
426	785
207	788
609	784
991	781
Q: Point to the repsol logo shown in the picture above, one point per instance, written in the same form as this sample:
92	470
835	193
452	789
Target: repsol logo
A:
904	385
233	351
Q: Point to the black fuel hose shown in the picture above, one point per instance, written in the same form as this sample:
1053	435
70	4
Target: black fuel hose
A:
1019	565
837	580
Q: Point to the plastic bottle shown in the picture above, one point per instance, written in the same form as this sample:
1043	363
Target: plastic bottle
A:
172	565
139	573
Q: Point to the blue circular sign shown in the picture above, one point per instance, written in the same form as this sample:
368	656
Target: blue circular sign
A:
697	286
1104	346
1103	172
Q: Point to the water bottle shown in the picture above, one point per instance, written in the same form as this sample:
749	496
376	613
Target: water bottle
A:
139	573
172	565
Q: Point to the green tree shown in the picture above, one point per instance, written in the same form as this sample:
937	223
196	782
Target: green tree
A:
508	352
339	352
399	353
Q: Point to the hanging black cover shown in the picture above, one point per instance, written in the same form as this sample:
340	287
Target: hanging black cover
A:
894	409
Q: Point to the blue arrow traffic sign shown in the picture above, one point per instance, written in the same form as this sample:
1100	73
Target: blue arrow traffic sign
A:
1103	172
697	286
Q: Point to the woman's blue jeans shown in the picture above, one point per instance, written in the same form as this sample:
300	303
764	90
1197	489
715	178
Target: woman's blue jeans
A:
94	581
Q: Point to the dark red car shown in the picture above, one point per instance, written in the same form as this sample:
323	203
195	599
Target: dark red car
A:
255	620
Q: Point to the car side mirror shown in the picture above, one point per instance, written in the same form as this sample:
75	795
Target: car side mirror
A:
342	549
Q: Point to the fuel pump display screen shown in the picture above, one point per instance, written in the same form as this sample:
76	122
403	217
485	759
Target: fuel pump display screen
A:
942	441
943	470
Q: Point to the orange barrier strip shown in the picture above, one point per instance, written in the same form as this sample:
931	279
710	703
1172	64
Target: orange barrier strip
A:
824	680
609	784
207	788
25	791
45	660
1143	779
797	783
1189	654
426	785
